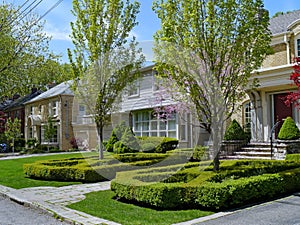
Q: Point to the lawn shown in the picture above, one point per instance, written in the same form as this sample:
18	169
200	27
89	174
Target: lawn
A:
102	204
12	174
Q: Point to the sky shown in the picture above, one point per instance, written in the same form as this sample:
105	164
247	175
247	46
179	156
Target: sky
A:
57	22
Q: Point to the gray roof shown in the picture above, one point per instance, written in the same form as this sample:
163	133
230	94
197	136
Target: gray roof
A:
63	88
281	23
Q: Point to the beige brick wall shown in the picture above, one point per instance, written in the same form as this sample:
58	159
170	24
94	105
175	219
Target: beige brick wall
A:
278	58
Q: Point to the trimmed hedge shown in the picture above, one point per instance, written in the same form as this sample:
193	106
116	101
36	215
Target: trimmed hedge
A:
193	187
289	130
292	157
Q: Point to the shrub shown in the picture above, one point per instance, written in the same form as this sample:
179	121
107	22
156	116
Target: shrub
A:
289	130
166	144
115	136
127	144
148	147
292	157
200	153
31	142
234	132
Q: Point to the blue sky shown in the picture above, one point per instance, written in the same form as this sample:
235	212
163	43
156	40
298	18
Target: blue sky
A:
58	21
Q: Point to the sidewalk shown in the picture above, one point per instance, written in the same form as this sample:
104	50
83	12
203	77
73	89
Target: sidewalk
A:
54	200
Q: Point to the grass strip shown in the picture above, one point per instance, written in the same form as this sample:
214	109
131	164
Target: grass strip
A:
12	174
103	205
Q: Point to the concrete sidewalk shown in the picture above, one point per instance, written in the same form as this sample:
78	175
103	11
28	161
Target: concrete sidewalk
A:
54	200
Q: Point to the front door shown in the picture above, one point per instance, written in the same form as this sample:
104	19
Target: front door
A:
281	111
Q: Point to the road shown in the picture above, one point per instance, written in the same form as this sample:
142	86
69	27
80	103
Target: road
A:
11	213
285	211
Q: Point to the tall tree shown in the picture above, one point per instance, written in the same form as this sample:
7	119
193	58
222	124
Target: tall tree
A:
24	51
209	49
104	60
13	131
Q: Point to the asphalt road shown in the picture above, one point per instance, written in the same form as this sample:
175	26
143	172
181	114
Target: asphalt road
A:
285	211
11	213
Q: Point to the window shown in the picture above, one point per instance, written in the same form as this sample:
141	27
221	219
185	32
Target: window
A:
53	139
53	108
157	83
247	117
81	110
133	89
31	110
146	124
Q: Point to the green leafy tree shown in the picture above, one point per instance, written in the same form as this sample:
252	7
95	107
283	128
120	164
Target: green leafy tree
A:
104	60
26	60
208	49
13	131
49	131
289	130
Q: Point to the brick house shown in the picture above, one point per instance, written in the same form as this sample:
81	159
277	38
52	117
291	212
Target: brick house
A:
265	105
56	104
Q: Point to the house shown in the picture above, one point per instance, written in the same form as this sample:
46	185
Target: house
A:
16	107
136	109
265	106
55	106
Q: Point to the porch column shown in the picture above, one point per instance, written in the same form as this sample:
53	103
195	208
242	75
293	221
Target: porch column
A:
256	117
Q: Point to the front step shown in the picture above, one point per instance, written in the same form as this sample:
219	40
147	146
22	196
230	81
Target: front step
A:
252	151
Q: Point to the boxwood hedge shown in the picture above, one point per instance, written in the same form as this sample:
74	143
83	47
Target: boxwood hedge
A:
197	187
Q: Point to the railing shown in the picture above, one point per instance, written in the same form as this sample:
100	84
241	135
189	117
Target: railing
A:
271	136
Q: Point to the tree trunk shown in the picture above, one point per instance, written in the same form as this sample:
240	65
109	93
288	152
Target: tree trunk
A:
100	139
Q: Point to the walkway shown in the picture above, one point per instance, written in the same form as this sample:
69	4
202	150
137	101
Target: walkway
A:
54	200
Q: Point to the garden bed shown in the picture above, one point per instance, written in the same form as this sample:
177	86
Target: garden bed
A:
238	183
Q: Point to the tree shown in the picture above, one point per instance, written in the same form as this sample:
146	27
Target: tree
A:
13	131
49	131
293	97
104	61
208	49
26	60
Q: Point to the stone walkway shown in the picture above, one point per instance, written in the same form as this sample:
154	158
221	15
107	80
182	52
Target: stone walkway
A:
54	200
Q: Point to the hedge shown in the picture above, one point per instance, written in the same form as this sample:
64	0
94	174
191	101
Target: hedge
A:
205	189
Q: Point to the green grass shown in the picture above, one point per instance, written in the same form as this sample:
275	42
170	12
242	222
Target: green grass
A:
101	204
12	174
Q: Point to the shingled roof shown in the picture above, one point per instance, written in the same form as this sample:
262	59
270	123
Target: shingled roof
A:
281	23
63	88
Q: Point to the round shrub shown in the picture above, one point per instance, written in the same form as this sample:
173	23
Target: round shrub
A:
234	132
289	130
148	147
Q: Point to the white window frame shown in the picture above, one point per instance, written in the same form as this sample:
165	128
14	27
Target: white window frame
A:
146	122
297	48
134	89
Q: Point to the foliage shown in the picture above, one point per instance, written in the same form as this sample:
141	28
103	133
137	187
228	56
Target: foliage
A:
293	157
115	136
234	132
161	144
128	143
12	174
31	142
207	51
200	153
293	97
13	131
26	60
236	184
49	130
104	64
289	130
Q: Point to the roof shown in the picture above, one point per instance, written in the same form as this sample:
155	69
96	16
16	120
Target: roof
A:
63	88
281	23
21	101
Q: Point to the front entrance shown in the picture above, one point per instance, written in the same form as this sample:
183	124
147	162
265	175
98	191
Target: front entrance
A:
281	111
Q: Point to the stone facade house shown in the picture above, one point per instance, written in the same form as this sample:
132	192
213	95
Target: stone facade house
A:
55	105
265	106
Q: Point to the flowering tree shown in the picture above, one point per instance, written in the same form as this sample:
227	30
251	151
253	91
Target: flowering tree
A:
293	97
209	48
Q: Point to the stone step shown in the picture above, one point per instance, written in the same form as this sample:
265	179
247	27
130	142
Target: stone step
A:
246	157
255	149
